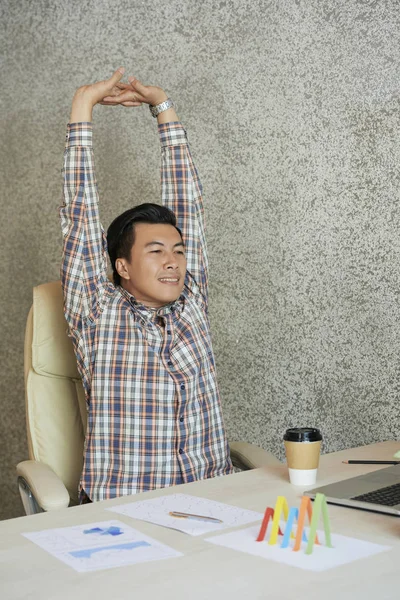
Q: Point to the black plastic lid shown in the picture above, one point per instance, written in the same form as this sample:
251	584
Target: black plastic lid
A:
302	434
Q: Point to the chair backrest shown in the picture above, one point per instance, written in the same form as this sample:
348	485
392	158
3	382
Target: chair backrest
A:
55	401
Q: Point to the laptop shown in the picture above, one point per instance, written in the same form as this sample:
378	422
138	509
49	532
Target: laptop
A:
378	491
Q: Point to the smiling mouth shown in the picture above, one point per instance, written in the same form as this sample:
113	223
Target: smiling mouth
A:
169	280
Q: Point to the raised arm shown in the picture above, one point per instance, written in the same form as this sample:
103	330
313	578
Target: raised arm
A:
84	265
182	192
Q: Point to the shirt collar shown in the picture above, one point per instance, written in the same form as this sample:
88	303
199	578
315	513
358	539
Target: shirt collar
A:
151	314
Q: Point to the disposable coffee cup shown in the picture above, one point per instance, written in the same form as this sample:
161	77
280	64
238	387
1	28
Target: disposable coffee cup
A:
303	447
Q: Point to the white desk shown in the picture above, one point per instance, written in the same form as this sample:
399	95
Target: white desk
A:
207	571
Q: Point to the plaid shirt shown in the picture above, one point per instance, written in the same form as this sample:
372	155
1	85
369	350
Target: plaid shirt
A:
154	414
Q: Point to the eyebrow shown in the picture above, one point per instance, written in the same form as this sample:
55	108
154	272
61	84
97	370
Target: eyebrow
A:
154	243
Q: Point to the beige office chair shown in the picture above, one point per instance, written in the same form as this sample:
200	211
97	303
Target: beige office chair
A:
56	411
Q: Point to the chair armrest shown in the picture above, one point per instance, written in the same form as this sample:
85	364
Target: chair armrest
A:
47	488
248	456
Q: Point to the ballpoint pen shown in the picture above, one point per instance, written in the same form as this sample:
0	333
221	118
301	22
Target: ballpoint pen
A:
182	515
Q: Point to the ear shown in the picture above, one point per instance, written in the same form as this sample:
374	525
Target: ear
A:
121	266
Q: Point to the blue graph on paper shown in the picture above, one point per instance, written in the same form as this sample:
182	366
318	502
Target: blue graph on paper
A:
109	531
87	552
103	545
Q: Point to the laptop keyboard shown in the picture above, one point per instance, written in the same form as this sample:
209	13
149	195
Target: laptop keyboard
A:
387	496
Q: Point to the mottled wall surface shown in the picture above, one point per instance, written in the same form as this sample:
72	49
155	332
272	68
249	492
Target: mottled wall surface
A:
292	110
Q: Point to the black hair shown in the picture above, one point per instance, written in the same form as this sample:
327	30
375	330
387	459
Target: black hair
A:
121	233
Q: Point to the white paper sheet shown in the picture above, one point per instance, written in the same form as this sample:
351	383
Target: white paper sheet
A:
157	511
345	549
100	545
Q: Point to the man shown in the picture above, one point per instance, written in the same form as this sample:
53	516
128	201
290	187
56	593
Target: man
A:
142	344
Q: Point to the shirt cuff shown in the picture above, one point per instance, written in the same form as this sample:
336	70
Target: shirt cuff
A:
79	134
172	134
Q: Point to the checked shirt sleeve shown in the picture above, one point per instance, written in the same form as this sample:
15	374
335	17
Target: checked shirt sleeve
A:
84	264
181	191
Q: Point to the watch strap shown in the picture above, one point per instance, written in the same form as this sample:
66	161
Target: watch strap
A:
159	108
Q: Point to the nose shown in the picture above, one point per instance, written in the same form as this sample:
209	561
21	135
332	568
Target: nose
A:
171	261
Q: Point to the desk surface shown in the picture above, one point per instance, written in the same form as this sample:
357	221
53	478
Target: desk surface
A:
207	571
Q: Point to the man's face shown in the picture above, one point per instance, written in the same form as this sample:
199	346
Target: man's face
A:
155	274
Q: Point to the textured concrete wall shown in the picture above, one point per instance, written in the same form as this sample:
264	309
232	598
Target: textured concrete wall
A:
292	111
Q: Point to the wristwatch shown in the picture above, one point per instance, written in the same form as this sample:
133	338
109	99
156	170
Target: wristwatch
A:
159	108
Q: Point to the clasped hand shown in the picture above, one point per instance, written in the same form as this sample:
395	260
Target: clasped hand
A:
112	92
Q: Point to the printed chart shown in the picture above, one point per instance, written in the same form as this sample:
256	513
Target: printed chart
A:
157	511
101	545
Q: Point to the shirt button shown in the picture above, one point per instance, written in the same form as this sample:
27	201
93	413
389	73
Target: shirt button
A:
169	363
181	419
182	387
169	332
180	451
